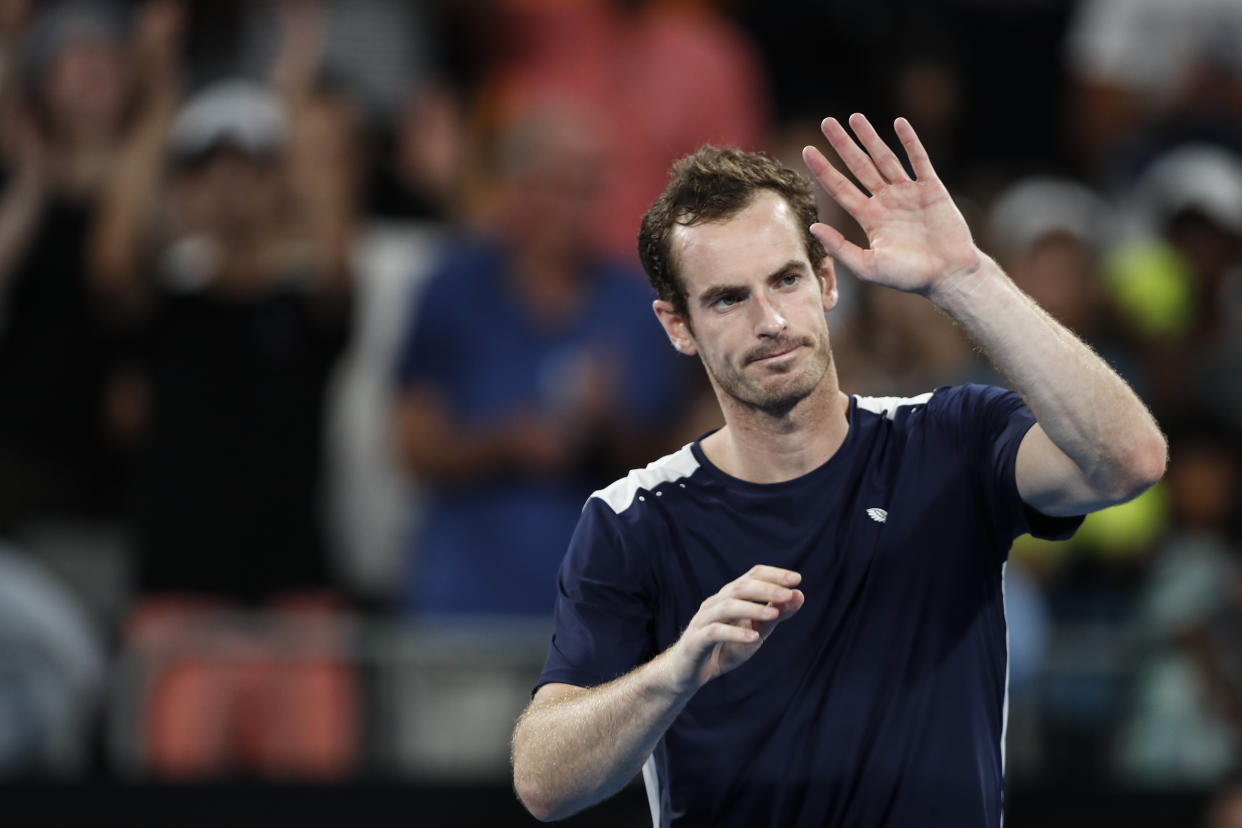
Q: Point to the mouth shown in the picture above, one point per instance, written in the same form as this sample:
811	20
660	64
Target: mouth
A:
770	355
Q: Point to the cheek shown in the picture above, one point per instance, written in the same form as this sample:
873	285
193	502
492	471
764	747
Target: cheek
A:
727	347
811	313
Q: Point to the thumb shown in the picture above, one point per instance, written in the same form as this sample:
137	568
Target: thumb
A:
854	257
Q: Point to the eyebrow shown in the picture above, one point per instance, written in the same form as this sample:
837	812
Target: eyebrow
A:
709	296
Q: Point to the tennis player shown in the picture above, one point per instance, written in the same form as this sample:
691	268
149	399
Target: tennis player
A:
798	619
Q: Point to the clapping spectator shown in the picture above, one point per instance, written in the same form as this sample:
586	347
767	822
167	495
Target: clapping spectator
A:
69	105
225	253
524	381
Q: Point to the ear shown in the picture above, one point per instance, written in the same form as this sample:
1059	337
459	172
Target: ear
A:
675	327
828	279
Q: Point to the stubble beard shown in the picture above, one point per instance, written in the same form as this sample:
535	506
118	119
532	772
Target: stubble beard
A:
767	393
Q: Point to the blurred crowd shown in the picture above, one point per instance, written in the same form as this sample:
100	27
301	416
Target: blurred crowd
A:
318	309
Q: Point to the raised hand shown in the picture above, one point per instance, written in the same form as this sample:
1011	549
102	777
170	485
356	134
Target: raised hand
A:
159	27
303	32
731	625
917	235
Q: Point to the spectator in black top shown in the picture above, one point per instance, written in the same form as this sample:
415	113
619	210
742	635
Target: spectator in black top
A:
67	109
224	246
243	310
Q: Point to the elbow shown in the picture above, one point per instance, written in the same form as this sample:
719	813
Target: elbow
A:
548	778
538	808
1149	460
529	792
527	784
1156	460
1141	468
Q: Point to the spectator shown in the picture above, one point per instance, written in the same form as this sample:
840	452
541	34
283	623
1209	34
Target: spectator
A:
1178	284
66	115
1150	74
247	311
1226	807
1050	235
1186	724
659	79
224	248
381	53
51	672
524	381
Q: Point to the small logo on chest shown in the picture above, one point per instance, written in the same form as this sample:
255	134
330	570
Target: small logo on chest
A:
877	514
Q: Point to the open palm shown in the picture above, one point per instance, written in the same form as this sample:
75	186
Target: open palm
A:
917	236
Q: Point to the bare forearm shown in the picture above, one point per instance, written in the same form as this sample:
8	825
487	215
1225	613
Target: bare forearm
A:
573	747
435	449
1087	411
439	449
449	458
130	204
20	210
460	461
575	750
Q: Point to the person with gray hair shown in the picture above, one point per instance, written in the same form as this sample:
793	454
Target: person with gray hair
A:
521	380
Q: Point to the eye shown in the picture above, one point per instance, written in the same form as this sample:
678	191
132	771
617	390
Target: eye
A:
728	300
790	279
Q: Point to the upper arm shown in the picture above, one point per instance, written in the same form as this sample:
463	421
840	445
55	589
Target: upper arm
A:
1049	481
605	599
429	349
1023	483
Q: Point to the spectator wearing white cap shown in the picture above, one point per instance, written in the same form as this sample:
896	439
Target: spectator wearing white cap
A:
1149	74
1050	233
1178	277
233	266
244	299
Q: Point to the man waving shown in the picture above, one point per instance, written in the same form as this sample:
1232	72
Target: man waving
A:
798	620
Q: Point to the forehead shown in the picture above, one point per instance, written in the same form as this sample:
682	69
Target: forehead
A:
752	243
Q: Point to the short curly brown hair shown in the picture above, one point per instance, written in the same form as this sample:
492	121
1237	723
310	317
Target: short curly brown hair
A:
711	185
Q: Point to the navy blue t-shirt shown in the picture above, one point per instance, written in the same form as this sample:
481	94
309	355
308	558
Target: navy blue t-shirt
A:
882	702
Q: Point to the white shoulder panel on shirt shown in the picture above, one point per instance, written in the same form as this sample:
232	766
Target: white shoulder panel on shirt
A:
620	494
887	406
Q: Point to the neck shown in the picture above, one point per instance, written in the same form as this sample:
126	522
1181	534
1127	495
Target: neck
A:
761	447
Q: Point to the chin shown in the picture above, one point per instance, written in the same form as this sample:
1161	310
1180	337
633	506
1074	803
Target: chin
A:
776	401
773	393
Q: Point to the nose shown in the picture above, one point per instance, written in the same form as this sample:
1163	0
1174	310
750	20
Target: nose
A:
770	321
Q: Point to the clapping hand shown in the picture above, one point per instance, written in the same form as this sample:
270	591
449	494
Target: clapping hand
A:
732	625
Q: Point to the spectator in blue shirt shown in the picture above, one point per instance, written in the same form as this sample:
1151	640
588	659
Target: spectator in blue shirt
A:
531	374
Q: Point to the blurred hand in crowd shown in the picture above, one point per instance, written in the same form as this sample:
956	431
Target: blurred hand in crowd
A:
1226	808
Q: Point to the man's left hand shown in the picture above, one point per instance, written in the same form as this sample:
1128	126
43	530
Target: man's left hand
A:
918	238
